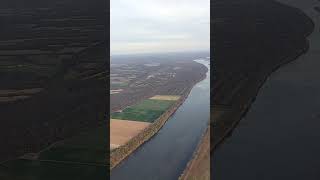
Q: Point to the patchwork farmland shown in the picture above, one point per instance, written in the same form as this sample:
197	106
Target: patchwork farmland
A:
135	78
126	124
135	117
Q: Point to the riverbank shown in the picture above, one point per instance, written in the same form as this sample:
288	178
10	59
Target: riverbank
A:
120	153
199	166
245	108
166	154
237	99
285	114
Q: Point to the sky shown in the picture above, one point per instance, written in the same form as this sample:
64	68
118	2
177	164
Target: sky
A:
155	26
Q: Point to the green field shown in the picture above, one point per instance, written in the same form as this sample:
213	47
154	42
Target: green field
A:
119	85
88	147
145	111
82	157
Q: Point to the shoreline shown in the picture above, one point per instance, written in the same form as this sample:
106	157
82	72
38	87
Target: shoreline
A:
246	107
275	125
191	168
121	153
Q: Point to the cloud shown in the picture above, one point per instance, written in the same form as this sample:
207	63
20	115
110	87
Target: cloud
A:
159	25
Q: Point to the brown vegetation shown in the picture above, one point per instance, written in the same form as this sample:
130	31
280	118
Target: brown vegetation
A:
121	131
165	97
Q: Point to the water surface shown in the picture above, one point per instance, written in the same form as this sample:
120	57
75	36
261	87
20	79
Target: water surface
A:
165	156
279	137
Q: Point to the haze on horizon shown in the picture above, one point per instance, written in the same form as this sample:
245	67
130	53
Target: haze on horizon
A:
155	26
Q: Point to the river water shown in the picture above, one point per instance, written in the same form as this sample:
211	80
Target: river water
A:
165	155
279	137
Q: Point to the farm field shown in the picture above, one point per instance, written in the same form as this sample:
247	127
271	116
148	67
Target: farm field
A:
146	111
79	157
146	75
164	97
121	131
131	121
50	53
89	147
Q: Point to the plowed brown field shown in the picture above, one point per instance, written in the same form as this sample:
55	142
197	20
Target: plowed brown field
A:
121	131
166	97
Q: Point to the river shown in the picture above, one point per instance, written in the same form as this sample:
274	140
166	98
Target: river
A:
166	154
278	138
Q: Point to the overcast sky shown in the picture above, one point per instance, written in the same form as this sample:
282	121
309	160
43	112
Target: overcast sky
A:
146	26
